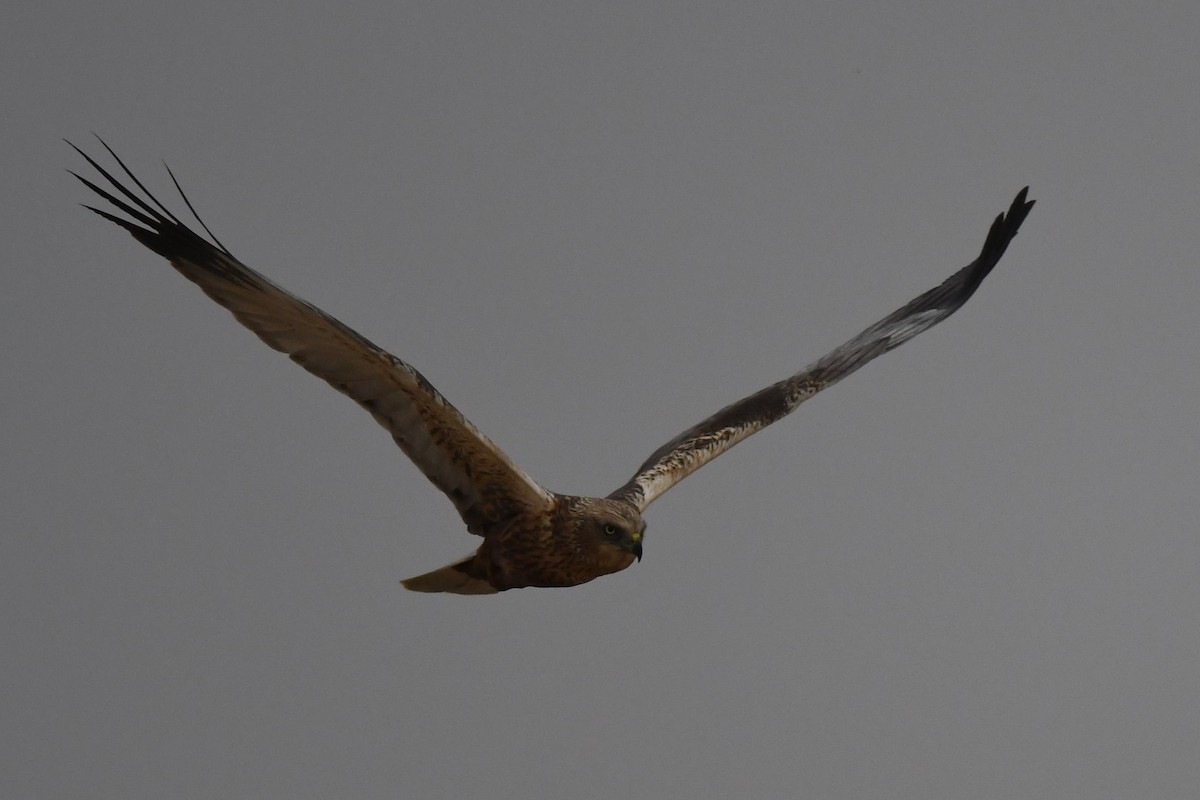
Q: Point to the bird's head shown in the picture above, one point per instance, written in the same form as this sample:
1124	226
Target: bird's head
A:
612	530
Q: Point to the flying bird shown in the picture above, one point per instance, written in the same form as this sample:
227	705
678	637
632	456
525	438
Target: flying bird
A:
531	536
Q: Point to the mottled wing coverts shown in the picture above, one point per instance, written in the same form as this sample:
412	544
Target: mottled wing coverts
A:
706	440
484	485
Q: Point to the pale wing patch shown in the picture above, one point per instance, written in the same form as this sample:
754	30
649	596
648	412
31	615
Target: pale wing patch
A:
706	440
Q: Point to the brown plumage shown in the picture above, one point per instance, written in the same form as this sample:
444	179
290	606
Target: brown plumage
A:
575	540
531	536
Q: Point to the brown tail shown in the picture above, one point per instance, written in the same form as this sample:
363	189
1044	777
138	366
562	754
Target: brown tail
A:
461	577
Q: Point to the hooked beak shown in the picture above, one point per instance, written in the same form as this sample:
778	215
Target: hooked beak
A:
636	549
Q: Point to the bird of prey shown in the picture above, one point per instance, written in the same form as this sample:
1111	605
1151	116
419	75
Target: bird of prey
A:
531	536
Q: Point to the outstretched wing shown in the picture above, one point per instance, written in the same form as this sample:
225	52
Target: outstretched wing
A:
701	443
484	485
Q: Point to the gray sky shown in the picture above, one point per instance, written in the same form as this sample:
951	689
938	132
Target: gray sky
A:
968	571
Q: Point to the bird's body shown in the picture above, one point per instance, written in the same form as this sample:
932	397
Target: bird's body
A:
531	535
574	541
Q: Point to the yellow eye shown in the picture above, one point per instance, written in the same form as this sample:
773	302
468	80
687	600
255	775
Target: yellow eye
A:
610	530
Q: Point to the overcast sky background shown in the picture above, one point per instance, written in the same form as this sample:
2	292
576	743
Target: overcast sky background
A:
971	570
